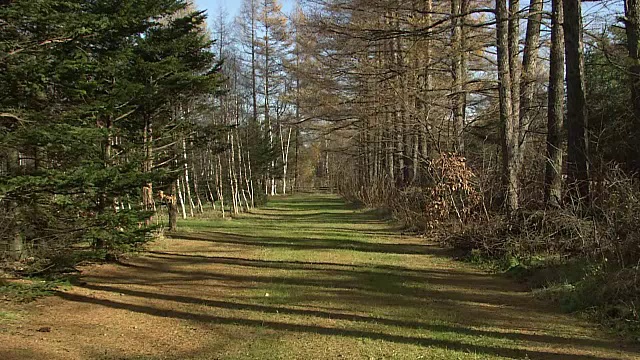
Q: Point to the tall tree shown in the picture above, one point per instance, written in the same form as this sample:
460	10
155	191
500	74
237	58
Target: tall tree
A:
91	78
506	54
577	156
632	27
555	112
529	74
459	71
271	48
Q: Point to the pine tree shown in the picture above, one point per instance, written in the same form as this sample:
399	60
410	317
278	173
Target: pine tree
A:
87	80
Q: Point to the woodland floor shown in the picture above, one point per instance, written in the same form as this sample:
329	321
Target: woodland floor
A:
305	278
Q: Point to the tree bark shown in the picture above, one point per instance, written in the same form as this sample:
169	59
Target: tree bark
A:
458	71
196	191
181	198
232	177
296	173
254	88
14	237
172	207
514	66
187	185
220	188
428	83
507	118
250	181
285	146
555	115
529	70
577	162
632	27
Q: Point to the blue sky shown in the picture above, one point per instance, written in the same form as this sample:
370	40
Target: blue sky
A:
212	6
232	6
602	9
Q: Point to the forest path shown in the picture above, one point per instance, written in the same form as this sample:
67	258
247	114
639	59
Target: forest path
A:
307	277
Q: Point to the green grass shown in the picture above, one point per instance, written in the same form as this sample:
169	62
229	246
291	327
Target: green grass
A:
408	299
8	316
309	277
31	289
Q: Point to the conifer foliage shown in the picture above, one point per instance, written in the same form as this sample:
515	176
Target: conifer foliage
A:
99	101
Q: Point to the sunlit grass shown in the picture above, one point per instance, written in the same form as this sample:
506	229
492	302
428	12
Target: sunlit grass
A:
306	277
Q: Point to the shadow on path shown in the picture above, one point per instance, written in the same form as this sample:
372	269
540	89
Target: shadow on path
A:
303	267
320	330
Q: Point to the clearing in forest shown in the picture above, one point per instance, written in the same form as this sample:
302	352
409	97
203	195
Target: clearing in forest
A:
306	277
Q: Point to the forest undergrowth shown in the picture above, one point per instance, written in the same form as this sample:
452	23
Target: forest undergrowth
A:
583	260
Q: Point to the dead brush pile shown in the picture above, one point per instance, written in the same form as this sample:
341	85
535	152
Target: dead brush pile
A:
617	210
588	261
527	234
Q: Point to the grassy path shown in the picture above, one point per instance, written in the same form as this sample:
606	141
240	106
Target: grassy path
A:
304	278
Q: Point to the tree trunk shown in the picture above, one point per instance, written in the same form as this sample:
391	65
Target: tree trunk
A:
13	237
267	107
199	206
458	72
555	115
577	162
399	111
232	183
241	169
250	181
16	246
514	67
148	200
428	85
632	27
184	210
219	185
507	118
254	88
296	174
285	158
211	164
187	185
211	197
529	70
172	206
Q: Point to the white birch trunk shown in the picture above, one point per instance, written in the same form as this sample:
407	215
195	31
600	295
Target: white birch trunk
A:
184	212
285	159
220	188
186	177
250	180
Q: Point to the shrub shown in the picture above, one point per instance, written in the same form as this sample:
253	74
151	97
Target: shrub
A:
452	191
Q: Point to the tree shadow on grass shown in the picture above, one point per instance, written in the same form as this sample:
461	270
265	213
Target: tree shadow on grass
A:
413	289
467	302
16	354
323	217
387	273
323	330
309	203
352	317
375	286
295	243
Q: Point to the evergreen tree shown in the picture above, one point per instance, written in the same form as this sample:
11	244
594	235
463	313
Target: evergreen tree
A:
82	83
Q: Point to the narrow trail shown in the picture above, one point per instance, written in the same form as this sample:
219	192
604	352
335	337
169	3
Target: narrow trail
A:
304	278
